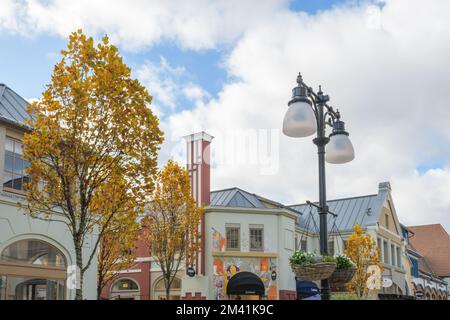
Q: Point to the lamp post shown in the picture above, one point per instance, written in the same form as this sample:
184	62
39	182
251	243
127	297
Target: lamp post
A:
309	113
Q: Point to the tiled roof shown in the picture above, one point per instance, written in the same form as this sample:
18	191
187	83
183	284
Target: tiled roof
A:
12	106
424	266
433	243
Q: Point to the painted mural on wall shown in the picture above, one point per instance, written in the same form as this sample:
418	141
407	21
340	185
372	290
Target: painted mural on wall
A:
218	241
225	268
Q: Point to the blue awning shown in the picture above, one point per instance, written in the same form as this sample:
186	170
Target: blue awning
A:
308	288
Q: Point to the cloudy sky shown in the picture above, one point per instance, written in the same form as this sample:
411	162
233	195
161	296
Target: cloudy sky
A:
228	67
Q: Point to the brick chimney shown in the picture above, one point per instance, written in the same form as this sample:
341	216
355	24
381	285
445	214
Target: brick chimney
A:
198	165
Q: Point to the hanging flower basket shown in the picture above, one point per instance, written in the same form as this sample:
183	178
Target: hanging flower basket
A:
344	273
342	276
314	272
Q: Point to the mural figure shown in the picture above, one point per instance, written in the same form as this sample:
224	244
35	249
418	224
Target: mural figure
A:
218	241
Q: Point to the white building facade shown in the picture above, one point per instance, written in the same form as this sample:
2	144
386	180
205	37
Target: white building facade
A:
35	255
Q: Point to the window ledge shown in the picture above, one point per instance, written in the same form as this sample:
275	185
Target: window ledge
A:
252	254
14	191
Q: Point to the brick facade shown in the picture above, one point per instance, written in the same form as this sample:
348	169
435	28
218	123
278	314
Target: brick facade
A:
287	295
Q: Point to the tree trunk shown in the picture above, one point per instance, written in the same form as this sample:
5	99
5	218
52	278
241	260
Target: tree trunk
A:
167	293
79	263
99	288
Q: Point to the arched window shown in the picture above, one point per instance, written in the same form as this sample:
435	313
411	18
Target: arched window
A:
33	252
125	285
159	292
32	269
125	289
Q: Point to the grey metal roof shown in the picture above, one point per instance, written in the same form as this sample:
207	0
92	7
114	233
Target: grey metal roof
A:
235	198
362	210
12	106
238	198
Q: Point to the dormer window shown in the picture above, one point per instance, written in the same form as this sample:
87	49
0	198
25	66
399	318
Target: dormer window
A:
14	176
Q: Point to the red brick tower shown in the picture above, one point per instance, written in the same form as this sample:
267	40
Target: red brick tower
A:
198	165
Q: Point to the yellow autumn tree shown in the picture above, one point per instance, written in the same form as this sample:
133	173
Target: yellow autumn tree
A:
117	250
172	221
93	146
362	249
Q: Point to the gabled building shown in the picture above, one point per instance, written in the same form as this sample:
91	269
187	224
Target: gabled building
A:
430	253
376	214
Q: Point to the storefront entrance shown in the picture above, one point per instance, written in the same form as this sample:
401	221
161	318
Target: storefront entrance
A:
245	286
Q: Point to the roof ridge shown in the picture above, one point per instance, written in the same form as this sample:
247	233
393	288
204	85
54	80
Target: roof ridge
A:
226	189
425	225
333	200
246	195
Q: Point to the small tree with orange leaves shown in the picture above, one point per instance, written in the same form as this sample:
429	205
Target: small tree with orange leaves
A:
117	250
362	249
171	224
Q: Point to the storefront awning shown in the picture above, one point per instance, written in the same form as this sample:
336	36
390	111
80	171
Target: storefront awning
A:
243	283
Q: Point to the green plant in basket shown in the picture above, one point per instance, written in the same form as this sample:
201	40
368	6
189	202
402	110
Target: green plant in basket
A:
302	258
343	262
328	259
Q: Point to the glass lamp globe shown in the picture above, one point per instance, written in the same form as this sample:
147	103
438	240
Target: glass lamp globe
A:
300	120
339	149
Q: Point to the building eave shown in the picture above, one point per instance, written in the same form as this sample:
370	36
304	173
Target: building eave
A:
239	210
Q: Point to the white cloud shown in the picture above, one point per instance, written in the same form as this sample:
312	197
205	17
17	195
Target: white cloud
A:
386	69
194	92
170	86
161	79
424	199
135	24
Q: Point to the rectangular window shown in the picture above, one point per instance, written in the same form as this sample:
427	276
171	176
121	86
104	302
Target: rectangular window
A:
386	220
393	260
257	238
14	175
233	237
385	252
297	244
414	267
399	257
331	248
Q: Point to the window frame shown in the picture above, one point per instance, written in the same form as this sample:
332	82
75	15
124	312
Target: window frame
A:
398	254
12	173
256	227
228	227
386	256
118	281
393	255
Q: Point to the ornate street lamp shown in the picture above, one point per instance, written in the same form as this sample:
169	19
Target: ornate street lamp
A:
309	113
